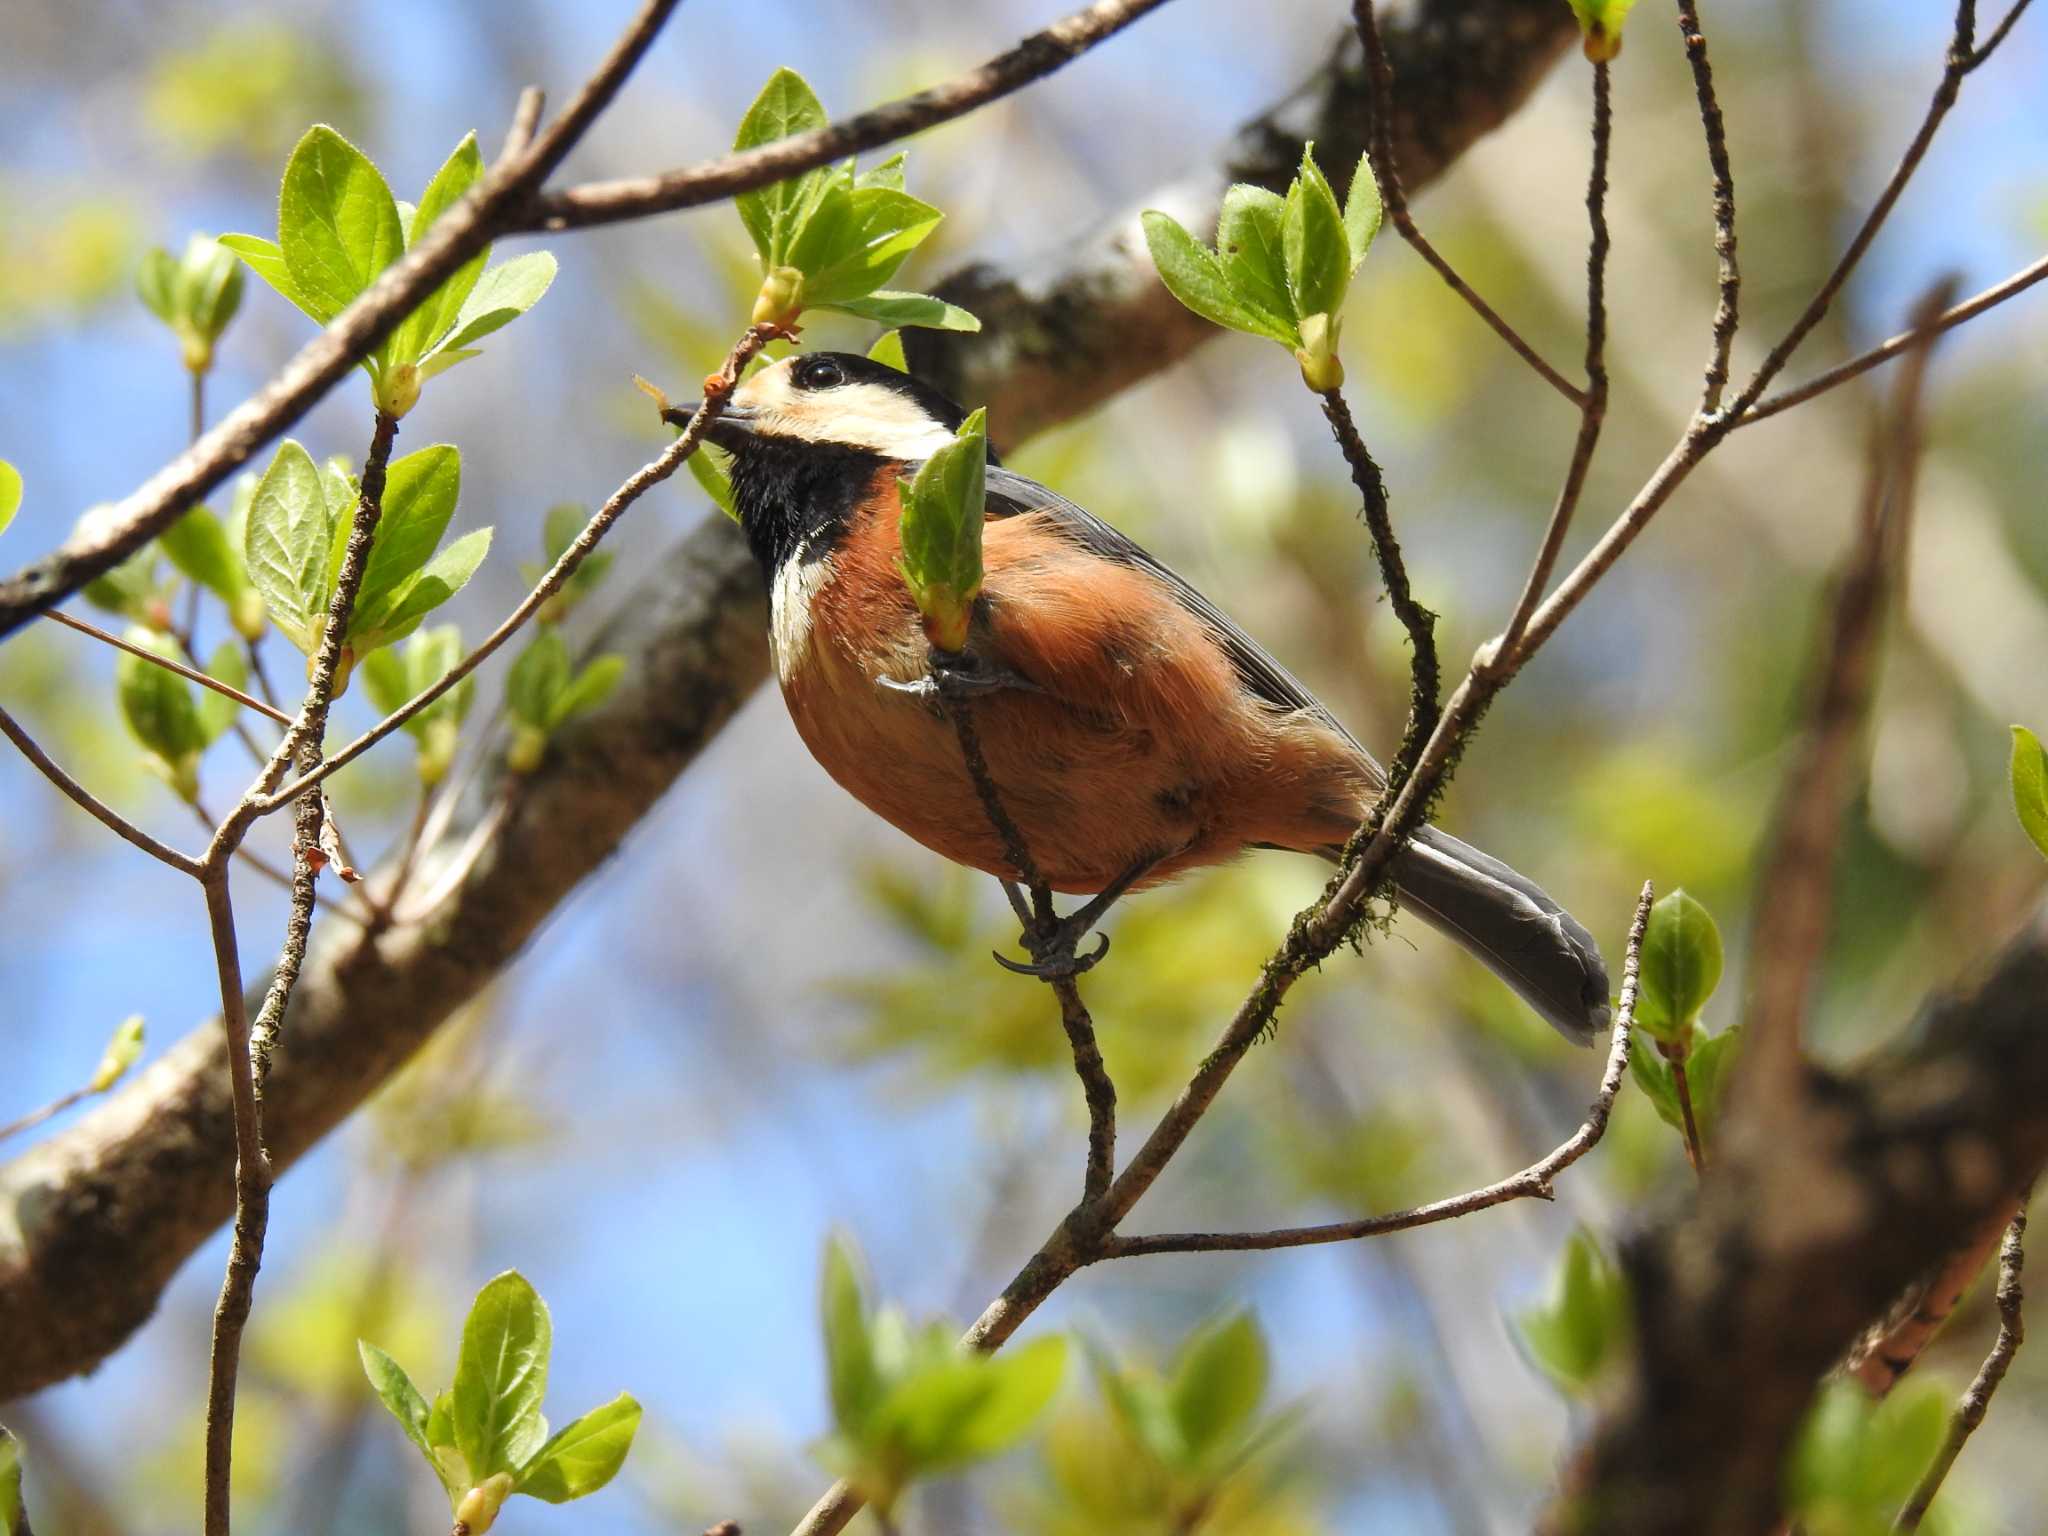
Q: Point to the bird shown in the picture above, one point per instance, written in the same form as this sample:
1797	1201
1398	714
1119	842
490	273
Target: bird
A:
1132	731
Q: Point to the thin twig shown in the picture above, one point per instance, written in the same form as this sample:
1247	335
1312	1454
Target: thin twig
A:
1536	1182
1032	59
1395	201
1892	1347
507	200
1424	675
1097	1088
484	214
1681	1088
717	390
252	1208
91	804
169	664
49	1111
1969	309
250	1045
1962	59
1791	923
1593	408
1726	311
1976	1402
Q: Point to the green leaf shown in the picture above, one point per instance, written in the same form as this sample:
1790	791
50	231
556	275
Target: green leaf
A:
420	492
598	680
217	712
286	543
943	512
888	351
1218	1383
199	547
444	576
1193	274
1601	21
712	477
1362	210
880	229
1250	243
1583	1325
1313	238
10	493
209	288
888	174
855	1380
394	677
13	1519
1856	1458
122	1052
159	710
156	284
420	330
265	259
1652	1075
787	105
902	309
502	294
336	221
584	1454
1681	967
962	1408
500	1376
395	1390
129	588
2029	768
538	680
564	521
1708	1070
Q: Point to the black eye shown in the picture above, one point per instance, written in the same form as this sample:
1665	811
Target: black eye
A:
818	373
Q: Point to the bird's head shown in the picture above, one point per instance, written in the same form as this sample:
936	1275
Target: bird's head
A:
834	400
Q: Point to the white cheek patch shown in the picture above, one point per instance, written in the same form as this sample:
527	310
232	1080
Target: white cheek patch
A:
797	583
867	416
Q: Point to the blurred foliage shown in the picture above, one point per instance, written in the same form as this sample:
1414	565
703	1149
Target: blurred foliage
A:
247	88
1404	1075
63	257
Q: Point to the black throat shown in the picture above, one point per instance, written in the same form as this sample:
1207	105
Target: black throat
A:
797	497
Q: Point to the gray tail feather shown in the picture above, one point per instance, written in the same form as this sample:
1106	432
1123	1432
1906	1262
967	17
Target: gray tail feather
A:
1541	951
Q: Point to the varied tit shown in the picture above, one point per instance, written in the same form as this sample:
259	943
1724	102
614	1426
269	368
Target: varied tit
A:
1133	731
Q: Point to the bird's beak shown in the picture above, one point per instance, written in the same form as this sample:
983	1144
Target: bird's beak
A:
735	422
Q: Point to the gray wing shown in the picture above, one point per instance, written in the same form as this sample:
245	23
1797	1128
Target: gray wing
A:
1011	494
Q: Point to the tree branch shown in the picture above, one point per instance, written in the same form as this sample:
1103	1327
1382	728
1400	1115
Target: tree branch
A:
249	1046
1076	325
1976	1402
1790	928
1386	172
1727	309
1820	1210
1535	1182
169	664
91	804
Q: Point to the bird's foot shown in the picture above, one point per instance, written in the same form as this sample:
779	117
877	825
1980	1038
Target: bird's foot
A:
1055	950
961	676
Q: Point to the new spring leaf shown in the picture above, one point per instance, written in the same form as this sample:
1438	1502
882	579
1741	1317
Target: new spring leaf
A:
831	237
1681	967
943	506
2030	786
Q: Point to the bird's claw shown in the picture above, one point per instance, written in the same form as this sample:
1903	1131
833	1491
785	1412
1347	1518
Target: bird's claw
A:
960	678
1055	959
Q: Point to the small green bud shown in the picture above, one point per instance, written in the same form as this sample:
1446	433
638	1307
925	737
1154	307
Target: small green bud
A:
529	746
248	614
478	1511
1321	370
398	390
781	298
438	740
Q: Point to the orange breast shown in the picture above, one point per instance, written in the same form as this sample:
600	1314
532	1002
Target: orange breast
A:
1135	743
